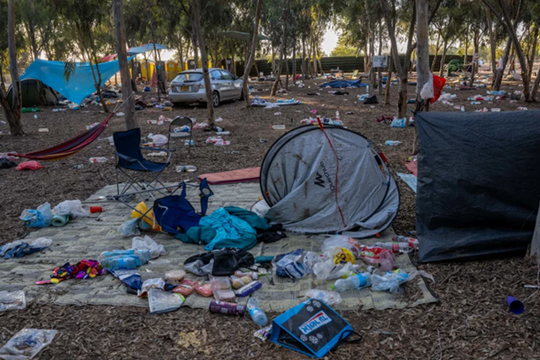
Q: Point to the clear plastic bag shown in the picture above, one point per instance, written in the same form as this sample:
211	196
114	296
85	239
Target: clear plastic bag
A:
328	270
151	284
26	344
41	243
71	207
328	297
147	243
159	140
340	241
130	228
12	300
310	260
287	265
160	301
41	217
389	281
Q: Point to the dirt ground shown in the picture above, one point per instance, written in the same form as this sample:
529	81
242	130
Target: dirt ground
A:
470	321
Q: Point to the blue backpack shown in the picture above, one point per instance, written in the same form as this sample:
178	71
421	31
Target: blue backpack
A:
176	215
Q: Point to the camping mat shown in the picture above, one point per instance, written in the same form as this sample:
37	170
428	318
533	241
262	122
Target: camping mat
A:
86	238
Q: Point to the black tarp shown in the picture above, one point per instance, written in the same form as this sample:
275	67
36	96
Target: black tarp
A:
478	183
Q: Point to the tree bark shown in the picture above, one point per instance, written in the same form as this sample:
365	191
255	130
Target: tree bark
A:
443	58
294	62
475	62
251	59
281	57
156	63
129	103
492	44
195	48
436	52
204	58
13	113
533	50
388	81
379	73
422	48
314	56
32	29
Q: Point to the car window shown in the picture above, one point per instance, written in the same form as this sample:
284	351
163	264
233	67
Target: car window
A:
216	75
226	76
189	77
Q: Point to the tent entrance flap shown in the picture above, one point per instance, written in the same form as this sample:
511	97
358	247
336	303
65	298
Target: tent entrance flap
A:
298	181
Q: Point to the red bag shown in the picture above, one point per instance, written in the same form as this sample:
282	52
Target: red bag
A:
28	165
438	84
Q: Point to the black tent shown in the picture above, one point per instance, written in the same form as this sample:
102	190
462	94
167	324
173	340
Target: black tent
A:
34	93
478	183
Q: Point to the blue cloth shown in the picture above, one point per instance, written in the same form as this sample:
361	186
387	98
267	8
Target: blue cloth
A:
145	48
344	83
410	180
81	82
231	231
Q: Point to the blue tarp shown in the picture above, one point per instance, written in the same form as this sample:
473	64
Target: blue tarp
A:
145	48
81	82
344	83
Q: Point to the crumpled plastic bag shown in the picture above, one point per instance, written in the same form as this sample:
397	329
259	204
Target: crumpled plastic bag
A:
71	207
130	228
340	241
147	243
14	300
159	140
28	165
391	280
328	297
40	217
287	265
26	344
328	270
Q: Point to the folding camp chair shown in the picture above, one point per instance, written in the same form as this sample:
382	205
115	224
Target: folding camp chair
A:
134	166
178	122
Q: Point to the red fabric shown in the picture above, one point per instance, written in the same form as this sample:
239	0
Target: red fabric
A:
107	58
69	147
412	166
28	165
234	176
438	84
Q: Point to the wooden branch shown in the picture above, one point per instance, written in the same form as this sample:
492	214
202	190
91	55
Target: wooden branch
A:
434	11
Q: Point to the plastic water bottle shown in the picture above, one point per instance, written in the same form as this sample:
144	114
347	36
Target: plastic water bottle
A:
354	282
392	143
367	89
117	263
413	242
396	247
258	316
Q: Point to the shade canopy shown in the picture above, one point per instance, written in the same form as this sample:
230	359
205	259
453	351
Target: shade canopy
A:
144	48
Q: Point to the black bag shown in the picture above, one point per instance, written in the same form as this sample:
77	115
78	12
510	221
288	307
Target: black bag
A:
226	260
312	328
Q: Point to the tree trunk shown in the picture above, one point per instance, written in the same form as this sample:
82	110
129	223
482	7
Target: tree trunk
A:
422	48
294	62
402	96
475	62
533	50
379	73
13	112
32	29
314	57
195	48
129	103
492	44
500	73
273	60
443	57
204	58
281	57
181	53
303	59
251	59
436	53
466	49
534	90
156	66
388	81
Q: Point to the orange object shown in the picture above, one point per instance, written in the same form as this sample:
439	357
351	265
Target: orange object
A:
95	209
234	176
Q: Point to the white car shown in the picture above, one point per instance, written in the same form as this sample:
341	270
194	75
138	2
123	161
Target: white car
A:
188	87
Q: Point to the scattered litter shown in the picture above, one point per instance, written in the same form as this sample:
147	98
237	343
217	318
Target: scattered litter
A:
217	141
12	300
263	140
522	108
84	269
328	297
26	344
120	114
410	180
202	125
160	301
495	110
218	120
277	113
278	127
28	165
98	159
392	143
20	248
92	126
160	153
70	207
43	130
399	123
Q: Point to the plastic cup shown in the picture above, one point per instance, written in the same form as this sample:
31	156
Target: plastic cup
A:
515	306
95	209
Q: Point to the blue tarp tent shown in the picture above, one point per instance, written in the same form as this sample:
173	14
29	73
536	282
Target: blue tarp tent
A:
344	84
81	82
145	48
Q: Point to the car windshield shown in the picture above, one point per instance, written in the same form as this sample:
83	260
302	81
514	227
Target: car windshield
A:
189	77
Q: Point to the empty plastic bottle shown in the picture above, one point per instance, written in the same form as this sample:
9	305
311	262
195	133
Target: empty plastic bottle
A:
353	282
118	263
413	242
396	247
258	316
392	143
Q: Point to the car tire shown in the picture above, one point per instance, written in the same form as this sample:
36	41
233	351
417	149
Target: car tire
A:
215	99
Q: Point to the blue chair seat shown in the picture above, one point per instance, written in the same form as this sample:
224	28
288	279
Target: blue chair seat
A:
148	166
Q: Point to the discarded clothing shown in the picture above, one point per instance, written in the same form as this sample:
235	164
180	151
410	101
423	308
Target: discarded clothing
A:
257	101
371	100
6	163
221	262
21	248
82	270
231	231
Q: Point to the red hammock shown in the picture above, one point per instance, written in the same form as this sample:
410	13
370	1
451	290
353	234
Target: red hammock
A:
69	147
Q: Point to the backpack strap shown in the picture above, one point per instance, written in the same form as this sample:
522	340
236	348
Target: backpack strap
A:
205	193
345	338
